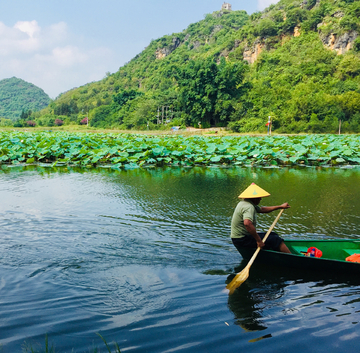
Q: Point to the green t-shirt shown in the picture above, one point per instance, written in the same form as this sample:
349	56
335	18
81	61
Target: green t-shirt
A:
244	210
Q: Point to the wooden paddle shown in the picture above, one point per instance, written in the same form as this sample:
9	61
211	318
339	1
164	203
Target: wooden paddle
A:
242	276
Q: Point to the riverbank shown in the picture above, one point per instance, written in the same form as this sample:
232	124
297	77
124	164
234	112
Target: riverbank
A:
189	131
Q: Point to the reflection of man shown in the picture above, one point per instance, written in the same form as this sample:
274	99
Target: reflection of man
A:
261	292
247	308
243	224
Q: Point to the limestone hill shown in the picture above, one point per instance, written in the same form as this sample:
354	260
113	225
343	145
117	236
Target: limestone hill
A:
297	61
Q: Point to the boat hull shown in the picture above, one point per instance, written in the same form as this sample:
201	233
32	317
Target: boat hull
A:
333	259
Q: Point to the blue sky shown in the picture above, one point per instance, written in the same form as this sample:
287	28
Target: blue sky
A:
59	45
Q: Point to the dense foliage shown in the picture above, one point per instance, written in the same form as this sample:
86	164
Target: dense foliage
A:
132	151
303	72
18	99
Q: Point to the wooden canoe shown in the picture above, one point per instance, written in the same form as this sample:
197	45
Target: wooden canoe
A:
334	253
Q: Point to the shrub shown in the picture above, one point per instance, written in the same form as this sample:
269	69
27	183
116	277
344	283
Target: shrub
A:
315	125
58	122
248	125
100	116
30	123
46	120
84	121
266	28
356	45
349	23
354	123
18	124
6	122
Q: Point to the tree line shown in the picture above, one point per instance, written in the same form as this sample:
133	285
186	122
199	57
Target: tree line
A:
199	75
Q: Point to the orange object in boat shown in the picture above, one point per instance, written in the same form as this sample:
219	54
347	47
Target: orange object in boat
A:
353	258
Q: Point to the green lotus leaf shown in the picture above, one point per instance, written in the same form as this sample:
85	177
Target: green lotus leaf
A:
157	151
228	157
116	166
241	158
215	159
313	157
177	153
123	154
222	148
131	166
333	154
347	152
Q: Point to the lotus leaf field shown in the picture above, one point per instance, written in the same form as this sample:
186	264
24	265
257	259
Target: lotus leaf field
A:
136	150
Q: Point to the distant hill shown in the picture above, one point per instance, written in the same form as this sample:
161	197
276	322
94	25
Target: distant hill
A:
297	61
17	95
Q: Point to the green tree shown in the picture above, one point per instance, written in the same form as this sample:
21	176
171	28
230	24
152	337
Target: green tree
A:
267	27
100	116
125	96
207	91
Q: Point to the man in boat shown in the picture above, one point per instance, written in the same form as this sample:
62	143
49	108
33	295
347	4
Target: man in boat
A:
243	224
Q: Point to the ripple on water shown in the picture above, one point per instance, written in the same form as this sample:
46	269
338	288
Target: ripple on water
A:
143	257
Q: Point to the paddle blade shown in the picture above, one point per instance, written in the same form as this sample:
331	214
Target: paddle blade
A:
238	280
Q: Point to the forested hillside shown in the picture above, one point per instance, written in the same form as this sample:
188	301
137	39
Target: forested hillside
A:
19	98
297	61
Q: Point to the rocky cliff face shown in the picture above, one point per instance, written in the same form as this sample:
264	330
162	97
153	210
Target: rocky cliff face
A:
338	30
339	43
252	53
163	52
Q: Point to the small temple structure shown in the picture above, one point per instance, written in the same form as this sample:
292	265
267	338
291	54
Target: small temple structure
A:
226	6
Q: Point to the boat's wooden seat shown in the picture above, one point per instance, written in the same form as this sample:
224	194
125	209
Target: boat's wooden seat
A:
349	252
299	249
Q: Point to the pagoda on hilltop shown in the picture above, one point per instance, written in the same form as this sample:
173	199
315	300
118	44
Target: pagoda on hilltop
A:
226	6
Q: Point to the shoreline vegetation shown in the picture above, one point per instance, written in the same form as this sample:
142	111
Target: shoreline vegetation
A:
124	150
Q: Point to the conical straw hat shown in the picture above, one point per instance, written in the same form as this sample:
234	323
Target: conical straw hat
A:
253	192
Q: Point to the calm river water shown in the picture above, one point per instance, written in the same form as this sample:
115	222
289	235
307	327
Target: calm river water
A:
142	257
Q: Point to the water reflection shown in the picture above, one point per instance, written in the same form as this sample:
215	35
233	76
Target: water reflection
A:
310	300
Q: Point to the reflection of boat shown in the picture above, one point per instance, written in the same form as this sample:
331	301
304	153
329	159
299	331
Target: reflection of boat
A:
334	253
273	291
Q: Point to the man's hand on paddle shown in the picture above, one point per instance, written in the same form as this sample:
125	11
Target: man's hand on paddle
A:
285	206
268	209
260	244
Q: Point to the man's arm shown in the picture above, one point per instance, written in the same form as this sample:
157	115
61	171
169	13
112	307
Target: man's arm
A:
267	209
252	230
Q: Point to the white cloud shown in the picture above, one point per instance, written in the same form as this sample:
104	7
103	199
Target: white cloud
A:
262	4
50	57
30	28
66	56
